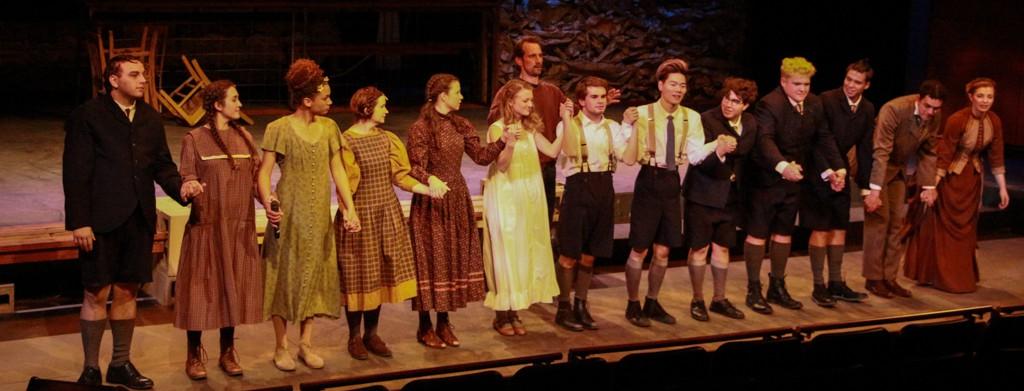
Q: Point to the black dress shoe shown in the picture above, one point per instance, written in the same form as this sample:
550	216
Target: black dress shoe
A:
726	308
91	376
698	311
635	315
654	311
777	293
755	300
126	375
565	318
840	291
821	297
579	309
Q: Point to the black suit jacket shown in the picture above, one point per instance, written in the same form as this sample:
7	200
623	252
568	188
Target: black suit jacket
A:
785	135
713	182
849	129
110	165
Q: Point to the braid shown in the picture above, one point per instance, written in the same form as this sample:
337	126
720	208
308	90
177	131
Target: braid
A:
437	85
216	92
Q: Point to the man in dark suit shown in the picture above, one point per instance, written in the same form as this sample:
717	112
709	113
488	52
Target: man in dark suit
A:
712	190
791	121
114	149
851	118
907	128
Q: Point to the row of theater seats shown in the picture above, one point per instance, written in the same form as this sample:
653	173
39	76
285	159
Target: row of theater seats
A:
964	353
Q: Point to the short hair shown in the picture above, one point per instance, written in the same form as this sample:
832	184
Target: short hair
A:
933	89
114	67
796	66
587	82
979	82
670	66
862	66
363	102
304	79
518	52
745	89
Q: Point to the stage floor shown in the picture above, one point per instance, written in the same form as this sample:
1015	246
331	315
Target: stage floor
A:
159	350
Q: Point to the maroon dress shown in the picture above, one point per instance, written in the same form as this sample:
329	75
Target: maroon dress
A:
446	245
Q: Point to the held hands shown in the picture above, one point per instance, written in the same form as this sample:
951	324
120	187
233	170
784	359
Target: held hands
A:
872	202
566	109
511	136
928	196
793	172
274	217
725	145
84	238
350	221
191	189
614	96
838	180
630	115
438	188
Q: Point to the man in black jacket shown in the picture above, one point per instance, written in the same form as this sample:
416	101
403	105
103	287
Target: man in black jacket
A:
712	190
791	121
851	118
114	149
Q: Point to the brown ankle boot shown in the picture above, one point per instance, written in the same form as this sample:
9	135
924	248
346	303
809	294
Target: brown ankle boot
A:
195	364
229	362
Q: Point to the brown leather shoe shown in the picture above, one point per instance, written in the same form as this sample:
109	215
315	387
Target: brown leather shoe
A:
896	289
428	338
878	288
195	364
517	324
444	331
502	325
229	362
377	346
356	348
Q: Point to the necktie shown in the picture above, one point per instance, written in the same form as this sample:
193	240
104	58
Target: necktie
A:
853	109
800	108
128	113
735	127
670	145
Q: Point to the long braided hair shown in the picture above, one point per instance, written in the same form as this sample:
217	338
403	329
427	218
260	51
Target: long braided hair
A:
437	85
212	94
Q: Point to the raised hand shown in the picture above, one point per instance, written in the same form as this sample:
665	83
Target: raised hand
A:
613	96
630	115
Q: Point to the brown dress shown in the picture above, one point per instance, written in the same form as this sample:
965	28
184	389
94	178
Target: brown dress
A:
942	252
376	263
220	280
449	263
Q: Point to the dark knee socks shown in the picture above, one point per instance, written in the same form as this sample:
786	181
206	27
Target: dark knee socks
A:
835	262
92	337
122	330
779	254
583	276
753	254
817	255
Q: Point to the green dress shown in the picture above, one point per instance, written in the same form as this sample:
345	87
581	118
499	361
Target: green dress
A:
301	270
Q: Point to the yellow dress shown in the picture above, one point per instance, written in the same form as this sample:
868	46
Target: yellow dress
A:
518	260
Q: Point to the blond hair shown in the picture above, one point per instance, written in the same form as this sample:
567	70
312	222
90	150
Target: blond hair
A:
797	66
531	123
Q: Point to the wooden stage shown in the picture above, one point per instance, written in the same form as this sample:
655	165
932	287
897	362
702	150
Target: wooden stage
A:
159	350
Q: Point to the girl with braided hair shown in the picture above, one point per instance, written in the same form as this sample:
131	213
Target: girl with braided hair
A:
449	262
220	277
301	279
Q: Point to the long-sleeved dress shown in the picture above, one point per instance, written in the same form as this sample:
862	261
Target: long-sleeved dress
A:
301	278
376	263
220	280
518	259
942	252
449	262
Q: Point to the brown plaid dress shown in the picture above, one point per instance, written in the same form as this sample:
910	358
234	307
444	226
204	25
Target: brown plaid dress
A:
376	263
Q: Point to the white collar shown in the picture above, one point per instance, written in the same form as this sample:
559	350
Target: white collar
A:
852	103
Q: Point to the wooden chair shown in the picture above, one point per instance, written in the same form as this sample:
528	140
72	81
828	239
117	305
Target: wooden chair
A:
146	51
184	102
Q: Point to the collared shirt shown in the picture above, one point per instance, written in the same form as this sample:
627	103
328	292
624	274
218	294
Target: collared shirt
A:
598	147
917	117
129	109
852	103
696	149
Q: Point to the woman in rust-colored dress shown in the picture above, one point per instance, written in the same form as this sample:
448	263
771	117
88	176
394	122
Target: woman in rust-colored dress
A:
942	252
220	282
446	245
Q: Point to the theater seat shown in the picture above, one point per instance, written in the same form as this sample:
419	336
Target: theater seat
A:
663	371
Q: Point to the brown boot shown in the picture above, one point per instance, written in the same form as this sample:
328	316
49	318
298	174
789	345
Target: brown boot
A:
377	346
229	362
896	289
444	331
356	348
878	288
428	338
195	364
